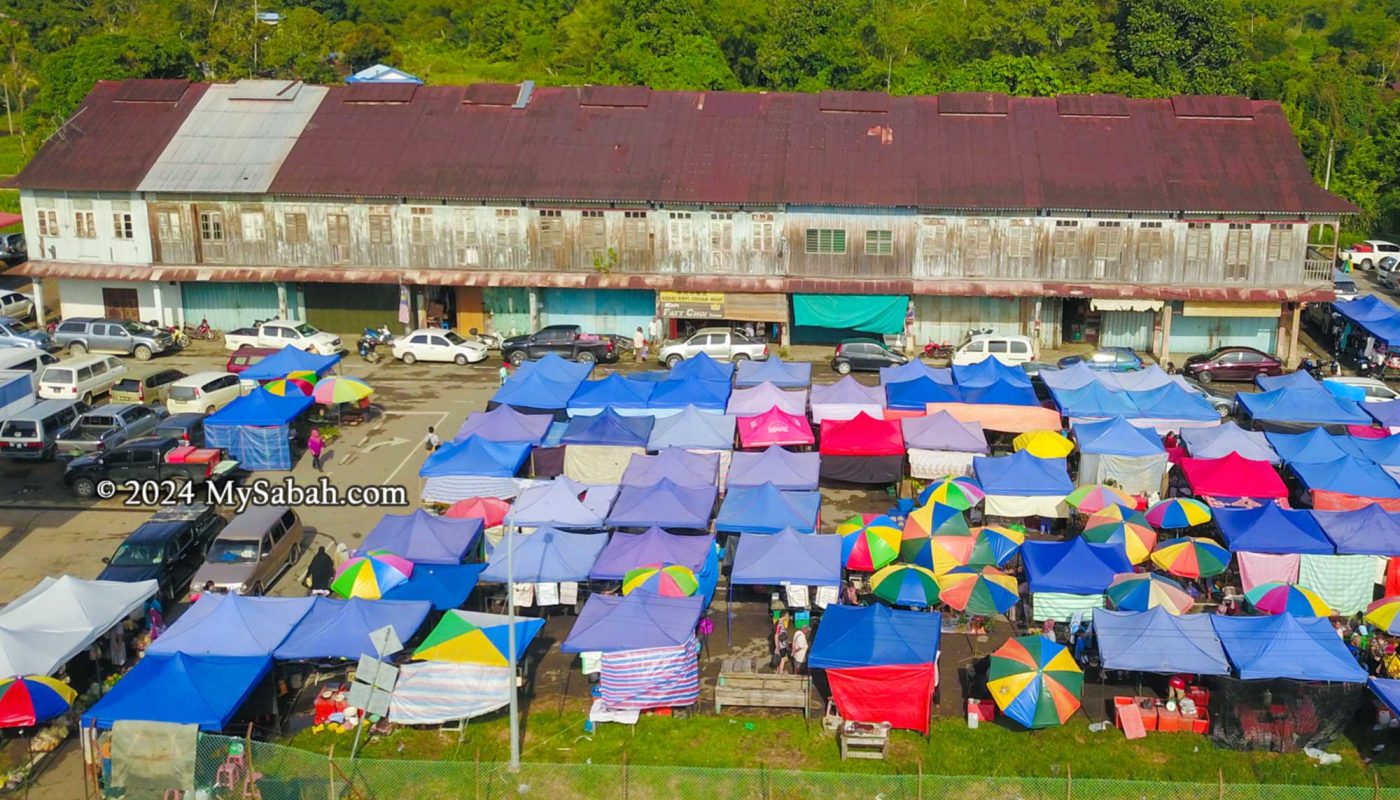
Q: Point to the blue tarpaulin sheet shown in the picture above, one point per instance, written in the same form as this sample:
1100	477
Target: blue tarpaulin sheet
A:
1311	406
1347	475
261	448
423	538
1284	646
1370	530
638	621
476	456
874	636
788	557
767	509
1158	641
546	556
1073	567
444	585
289	359
232	625
341	628
181	689
1271	529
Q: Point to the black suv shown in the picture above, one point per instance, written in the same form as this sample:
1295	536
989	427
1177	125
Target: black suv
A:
868	355
167	548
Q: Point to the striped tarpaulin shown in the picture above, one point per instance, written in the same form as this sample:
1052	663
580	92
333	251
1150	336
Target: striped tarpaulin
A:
660	677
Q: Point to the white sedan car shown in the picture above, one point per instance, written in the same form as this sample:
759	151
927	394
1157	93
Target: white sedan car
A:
436	344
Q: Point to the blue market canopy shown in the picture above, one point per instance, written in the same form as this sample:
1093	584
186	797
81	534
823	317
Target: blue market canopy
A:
702	367
1271	529
999	393
671	395
181	689
1284	646
1374	315
774	370
505	424
563	503
260	408
1022	475
1159	641
1073	567
637	621
535	391
1370	530
1385	452
1227	438
1288	380
914	394
1094	401
476	456
1315	446
287	360
693	428
1075	376
628	551
910	370
1301	405
788	557
1347	475
1387	690
1387	413
608	428
873	636
232	625
674	464
546	556
1171	402
943	431
341	628
613	392
767	509
444	585
423	538
777	466
254	429
1116	437
555	368
665	505
989	371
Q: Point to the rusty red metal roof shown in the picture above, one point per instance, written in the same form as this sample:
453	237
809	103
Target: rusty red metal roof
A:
113	138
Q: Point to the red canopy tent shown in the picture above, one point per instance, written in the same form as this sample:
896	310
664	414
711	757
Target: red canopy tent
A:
1233	476
774	427
862	450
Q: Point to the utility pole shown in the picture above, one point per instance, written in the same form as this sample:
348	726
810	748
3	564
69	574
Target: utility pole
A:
1331	151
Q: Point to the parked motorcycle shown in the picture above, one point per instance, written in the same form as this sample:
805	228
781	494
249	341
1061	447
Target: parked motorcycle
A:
938	350
491	340
200	331
368	347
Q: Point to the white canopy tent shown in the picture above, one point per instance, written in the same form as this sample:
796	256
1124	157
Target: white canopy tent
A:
60	617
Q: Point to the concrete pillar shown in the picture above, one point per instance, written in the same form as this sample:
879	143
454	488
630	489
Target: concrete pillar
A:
36	290
282	310
1164	354
1295	321
158	300
534	309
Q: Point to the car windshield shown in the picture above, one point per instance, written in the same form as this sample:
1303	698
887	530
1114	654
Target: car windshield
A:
138	554
306	330
135	327
183	393
233	551
20	429
454	338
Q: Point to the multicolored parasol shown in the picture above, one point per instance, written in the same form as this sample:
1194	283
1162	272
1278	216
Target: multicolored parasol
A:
960	493
1178	512
490	510
371	575
1385	614
988	591
1043	444
295	387
939	553
338	389
1143	591
868	542
458	641
905	585
33	699
1114	512
935	519
996	544
1277	597
307	375
1088	499
1137	537
1191	557
1035	681
667	580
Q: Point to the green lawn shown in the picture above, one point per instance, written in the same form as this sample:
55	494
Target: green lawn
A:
784	742
12	157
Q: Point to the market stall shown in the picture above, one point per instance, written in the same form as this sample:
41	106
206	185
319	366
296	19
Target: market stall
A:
940	445
864	449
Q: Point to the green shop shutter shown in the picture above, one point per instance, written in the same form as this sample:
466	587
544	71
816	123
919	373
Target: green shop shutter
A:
348	308
870	313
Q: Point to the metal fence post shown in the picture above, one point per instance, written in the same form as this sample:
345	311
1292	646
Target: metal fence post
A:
919	787
1221	774
330	773
476	775
624	776
1069	782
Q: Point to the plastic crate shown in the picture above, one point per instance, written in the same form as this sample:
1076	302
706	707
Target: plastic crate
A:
1201	722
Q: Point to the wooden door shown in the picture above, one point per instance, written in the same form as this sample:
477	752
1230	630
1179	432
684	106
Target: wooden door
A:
121	304
471	310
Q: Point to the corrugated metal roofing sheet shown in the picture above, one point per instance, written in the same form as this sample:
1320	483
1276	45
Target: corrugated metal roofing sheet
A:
235	139
113	138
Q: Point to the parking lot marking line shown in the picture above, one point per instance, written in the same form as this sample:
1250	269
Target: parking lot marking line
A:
441	418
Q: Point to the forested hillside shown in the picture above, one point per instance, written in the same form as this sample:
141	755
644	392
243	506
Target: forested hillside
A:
1330	62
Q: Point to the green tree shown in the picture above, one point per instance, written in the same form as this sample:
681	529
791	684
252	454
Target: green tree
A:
70	73
366	45
1182	45
807	46
301	47
664	44
1015	75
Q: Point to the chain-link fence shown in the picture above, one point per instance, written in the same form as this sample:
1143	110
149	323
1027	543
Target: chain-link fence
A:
284	773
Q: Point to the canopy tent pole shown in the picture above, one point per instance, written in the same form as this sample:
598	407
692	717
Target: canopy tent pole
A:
729	611
510	642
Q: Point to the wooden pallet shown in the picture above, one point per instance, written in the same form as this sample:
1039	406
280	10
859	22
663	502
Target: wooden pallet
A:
740	684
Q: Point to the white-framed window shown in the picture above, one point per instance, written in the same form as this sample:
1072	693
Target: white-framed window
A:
84	225
1280	243
254	225
381	225
879	243
680	230
721	232
420	226
1238	242
1149	241
824	241
48	222
635	233
121	225
763	233
295	229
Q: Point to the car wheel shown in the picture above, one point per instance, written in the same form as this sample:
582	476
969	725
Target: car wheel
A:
672	361
1205	377
843	368
84	487
461	360
409	359
77	348
142	353
738	357
516	358
1366	264
587	358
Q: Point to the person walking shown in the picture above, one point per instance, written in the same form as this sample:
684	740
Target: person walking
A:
432	441
639	345
316	445
320	572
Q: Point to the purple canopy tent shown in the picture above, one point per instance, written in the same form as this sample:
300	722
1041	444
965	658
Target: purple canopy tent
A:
564	503
773	370
680	467
776	465
628	551
749	402
505	424
663	504
943	431
638	621
845	399
423	538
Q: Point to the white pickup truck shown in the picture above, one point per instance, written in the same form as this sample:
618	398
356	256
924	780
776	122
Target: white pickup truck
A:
280	333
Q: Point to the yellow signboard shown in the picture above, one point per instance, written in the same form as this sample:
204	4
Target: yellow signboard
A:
707	298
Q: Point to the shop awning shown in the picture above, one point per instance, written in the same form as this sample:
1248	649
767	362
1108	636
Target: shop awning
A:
1124	304
872	313
1217	308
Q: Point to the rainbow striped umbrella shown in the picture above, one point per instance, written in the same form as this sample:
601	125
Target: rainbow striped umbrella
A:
868	542
1043	444
1088	499
371	575
307	375
667	580
1143	591
1114	512
940	553
996	544
33	699
987	592
1385	614
1137	537
1035	681
458	641
1191	557
340	389
1178	512
905	585
1277	597
296	387
929	520
960	493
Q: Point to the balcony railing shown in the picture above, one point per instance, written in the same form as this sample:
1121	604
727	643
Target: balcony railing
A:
1317	271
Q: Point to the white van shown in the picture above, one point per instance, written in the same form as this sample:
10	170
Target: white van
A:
1008	349
203	393
80	378
28	359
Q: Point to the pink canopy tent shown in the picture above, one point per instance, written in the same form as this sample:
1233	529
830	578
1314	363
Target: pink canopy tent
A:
774	427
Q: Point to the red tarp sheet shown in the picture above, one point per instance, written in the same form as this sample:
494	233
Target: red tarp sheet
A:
897	694
1233	476
1323	500
862	436
774	427
1008	419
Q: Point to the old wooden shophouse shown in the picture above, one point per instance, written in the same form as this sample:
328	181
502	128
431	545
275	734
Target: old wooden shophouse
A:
1169	225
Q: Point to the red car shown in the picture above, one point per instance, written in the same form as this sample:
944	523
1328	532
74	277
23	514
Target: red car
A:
245	357
1231	364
